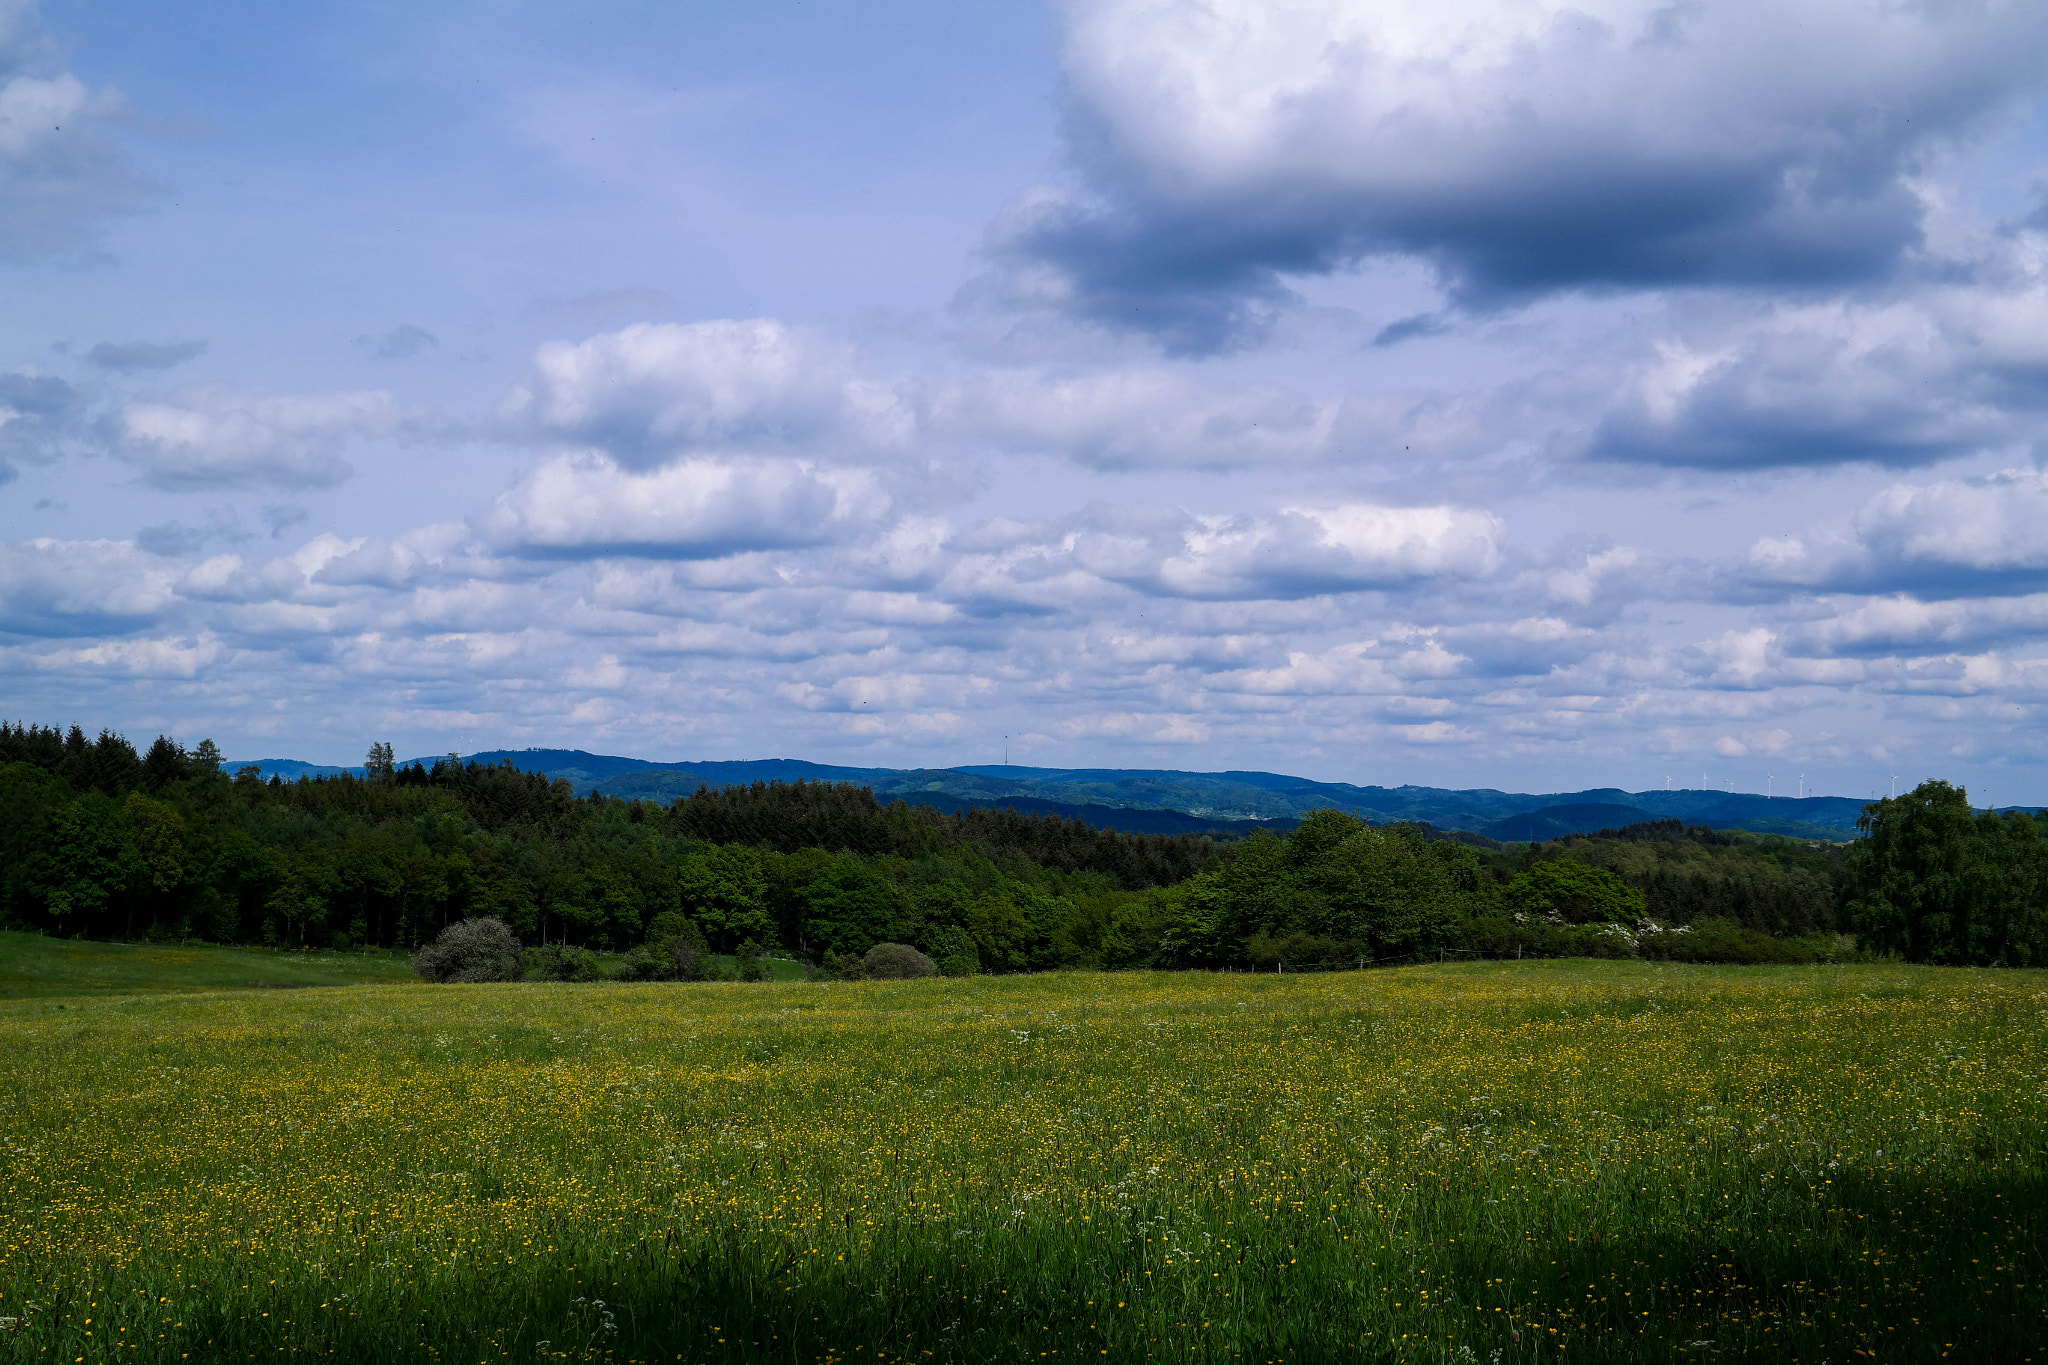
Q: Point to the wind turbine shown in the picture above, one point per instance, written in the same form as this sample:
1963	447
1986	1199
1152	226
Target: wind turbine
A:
1769	779
1802	786
1895	784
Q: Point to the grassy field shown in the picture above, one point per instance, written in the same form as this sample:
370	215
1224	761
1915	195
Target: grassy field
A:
1491	1163
32	965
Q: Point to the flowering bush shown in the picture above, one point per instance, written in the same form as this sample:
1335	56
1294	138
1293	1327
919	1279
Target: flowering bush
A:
471	950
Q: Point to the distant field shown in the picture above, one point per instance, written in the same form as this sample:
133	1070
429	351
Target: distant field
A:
32	965
1496	1162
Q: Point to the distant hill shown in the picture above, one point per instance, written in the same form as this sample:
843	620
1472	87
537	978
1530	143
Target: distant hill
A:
1550	822
1161	800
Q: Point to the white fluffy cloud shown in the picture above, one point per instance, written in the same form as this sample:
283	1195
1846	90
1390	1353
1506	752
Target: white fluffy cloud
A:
587	505
1950	538
1518	146
1297	552
68	588
217	436
653	392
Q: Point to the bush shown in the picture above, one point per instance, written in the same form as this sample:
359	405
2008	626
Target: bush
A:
674	949
1720	940
1303	952
471	950
897	962
558	962
842	966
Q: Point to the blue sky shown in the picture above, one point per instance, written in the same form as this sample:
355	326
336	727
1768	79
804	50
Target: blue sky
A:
1475	392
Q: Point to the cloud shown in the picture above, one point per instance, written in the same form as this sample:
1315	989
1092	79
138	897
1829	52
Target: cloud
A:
1134	418
59	171
654	392
402	342
587	505
1982	536
282	516
175	538
1519	147
145	355
1298	552
219	437
1899	625
37	416
1935	374
73	588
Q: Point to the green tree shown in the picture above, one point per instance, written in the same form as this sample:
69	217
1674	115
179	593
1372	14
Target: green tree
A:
852	907
1573	893
1003	934
1933	881
725	891
88	866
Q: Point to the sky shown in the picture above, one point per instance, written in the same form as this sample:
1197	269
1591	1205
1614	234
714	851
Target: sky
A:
1501	393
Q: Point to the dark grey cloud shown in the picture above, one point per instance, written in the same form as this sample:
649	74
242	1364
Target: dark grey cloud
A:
1519	151
145	355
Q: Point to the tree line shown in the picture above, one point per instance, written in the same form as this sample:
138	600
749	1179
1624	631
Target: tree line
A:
100	840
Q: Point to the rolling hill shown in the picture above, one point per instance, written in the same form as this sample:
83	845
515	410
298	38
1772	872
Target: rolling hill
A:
1170	801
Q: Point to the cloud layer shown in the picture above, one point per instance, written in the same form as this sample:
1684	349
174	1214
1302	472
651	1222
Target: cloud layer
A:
1488	392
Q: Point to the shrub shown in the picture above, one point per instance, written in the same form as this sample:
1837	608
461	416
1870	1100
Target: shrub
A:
471	950
558	962
836	966
675	948
898	961
1303	951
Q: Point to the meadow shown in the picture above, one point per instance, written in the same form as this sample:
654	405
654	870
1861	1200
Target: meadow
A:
37	965
1490	1162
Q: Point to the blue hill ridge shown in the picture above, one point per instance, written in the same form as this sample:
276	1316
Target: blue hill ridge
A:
1165	800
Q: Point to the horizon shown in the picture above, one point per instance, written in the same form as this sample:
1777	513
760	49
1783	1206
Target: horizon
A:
1499	396
230	763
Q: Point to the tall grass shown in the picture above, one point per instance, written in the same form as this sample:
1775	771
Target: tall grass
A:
1602	1161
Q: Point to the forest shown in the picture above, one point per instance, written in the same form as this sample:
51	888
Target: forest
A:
102	841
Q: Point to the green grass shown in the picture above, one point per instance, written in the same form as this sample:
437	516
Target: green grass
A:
1492	1162
779	968
34	966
